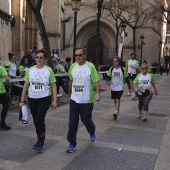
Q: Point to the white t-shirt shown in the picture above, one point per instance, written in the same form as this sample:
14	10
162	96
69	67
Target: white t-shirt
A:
12	70
117	79
25	69
55	57
83	77
144	81
133	63
40	82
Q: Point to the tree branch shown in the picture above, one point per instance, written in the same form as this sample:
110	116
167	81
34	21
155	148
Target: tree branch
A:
39	5
33	9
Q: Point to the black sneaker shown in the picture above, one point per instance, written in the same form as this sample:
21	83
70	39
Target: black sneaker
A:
144	119
115	114
5	127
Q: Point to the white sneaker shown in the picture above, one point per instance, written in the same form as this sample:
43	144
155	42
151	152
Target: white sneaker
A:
133	94
129	94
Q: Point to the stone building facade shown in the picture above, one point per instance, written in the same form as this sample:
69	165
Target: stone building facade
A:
22	33
86	31
5	29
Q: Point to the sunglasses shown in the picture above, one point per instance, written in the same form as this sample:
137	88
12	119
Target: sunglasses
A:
37	57
79	55
144	68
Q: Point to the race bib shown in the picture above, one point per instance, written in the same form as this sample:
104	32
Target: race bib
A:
78	89
38	88
78	85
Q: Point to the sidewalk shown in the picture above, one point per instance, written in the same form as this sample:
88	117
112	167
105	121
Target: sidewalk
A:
125	144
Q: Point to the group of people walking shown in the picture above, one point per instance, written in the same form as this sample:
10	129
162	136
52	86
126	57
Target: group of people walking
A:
40	85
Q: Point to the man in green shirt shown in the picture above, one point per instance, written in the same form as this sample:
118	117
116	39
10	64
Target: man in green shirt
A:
3	98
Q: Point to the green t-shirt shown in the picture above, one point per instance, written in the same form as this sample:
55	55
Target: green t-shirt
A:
2	74
60	69
7	66
21	69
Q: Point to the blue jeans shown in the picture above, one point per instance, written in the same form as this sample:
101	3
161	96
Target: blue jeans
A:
85	112
55	63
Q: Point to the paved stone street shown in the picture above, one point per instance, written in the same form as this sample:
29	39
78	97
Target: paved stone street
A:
125	144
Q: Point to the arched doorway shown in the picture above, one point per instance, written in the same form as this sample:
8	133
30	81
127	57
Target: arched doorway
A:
91	50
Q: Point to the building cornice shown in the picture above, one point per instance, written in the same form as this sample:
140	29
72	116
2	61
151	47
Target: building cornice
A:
5	15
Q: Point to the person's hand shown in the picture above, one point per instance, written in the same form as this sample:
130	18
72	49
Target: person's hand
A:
54	104
156	92
68	99
97	97
21	104
108	82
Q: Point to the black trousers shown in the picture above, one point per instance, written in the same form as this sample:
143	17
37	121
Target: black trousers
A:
59	83
85	112
39	109
161	70
5	103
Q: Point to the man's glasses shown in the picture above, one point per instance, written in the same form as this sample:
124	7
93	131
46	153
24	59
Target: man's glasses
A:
39	57
79	55
114	61
144	68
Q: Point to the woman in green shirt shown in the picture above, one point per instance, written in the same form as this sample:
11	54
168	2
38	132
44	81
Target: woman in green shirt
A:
59	69
23	68
3	98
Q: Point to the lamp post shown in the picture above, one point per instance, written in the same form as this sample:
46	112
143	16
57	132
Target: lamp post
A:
99	7
160	46
166	51
122	27
142	43
75	8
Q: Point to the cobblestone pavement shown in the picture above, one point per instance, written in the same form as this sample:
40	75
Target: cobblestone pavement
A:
125	144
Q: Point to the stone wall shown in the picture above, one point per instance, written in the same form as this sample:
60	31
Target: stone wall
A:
5	32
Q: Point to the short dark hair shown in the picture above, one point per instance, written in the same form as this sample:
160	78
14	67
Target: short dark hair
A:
42	51
68	59
132	54
10	55
80	49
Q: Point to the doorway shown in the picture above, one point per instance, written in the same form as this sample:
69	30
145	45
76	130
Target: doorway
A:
91	50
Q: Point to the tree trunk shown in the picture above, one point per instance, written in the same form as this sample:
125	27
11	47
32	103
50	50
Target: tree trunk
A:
117	39
44	37
134	40
43	33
